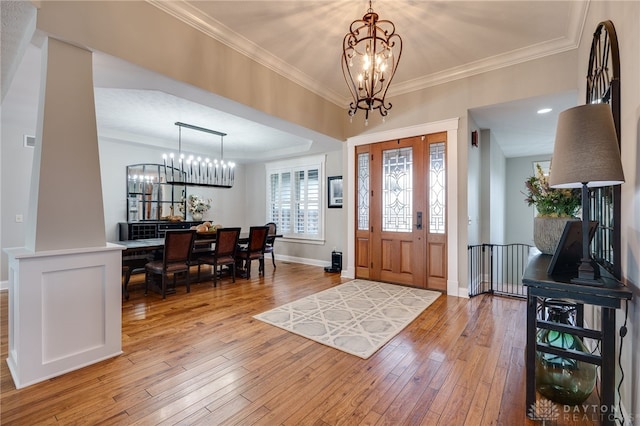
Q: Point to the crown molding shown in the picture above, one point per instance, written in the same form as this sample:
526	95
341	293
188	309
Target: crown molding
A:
194	17
220	32
575	27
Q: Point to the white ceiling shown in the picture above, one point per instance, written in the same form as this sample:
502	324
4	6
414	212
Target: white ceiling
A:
518	128
442	41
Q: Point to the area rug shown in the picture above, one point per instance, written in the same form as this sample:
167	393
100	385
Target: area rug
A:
357	317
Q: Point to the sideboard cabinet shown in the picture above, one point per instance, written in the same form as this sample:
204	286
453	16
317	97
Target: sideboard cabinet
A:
150	229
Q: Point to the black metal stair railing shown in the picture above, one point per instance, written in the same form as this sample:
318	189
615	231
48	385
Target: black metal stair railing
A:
497	269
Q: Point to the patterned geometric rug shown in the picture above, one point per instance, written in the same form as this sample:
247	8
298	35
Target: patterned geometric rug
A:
357	317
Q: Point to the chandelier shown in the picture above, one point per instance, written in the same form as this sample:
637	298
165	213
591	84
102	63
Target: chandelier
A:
189	169
371	52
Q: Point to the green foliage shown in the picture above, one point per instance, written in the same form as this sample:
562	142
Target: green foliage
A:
551	202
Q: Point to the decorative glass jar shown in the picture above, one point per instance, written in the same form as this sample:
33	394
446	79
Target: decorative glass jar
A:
563	380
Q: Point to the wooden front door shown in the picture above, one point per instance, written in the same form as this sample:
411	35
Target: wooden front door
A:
400	226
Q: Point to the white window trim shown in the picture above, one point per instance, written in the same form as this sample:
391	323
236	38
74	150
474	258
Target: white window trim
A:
297	164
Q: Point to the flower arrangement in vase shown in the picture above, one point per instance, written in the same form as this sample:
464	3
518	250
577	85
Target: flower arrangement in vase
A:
551	202
197	206
555	207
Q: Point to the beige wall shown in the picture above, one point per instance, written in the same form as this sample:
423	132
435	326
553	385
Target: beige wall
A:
146	36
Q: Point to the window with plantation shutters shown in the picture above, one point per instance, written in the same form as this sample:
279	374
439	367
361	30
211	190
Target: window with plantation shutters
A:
294	199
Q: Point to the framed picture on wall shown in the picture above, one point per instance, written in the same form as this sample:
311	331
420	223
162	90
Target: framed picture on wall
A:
335	191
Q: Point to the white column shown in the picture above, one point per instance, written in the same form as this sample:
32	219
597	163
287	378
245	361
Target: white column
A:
64	310
64	285
65	208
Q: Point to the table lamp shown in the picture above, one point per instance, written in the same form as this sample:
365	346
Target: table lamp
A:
586	154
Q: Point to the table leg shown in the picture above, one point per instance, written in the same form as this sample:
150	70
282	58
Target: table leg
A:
126	271
530	400
608	369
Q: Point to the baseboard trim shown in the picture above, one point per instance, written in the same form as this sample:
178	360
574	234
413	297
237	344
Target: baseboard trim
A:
303	260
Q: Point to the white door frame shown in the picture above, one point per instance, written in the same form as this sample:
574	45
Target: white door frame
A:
451	127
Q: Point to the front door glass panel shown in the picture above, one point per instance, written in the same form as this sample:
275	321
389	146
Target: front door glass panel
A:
437	188
397	191
363	191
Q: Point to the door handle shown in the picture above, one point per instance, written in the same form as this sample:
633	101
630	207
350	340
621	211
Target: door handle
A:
419	220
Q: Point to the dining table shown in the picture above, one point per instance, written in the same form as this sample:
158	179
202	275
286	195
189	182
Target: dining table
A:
137	253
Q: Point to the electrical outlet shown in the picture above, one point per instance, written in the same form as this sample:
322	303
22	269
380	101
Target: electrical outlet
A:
19	218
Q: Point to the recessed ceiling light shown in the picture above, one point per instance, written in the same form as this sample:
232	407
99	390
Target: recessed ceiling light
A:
544	110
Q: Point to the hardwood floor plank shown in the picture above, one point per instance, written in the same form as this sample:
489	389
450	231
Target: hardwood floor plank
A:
513	385
259	394
319	388
201	358
431	419
478	404
202	415
364	409
362	385
247	418
412	395
492	408
385	401
449	384
193	397
457	407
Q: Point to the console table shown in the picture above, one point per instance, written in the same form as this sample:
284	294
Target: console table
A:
609	297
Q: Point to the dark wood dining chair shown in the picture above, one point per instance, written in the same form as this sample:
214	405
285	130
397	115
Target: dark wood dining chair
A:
133	264
224	253
178	246
271	239
254	250
126	276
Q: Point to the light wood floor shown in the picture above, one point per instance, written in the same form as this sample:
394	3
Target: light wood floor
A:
201	358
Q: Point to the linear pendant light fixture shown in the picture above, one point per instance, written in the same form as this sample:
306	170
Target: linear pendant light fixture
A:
370	54
198	171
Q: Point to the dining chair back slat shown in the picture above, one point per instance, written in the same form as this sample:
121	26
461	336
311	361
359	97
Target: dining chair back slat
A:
224	253
254	249
178	246
271	239
227	241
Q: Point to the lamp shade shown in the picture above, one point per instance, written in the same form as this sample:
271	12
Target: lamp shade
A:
586	149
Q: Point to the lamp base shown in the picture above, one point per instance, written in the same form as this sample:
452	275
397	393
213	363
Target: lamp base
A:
588	273
587	281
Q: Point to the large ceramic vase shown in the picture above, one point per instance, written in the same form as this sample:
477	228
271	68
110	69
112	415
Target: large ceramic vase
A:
563	380
547	232
196	216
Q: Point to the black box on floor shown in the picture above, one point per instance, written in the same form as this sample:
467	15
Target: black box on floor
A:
336	262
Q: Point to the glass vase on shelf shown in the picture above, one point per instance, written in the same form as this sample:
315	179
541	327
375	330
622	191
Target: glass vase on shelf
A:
563	380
